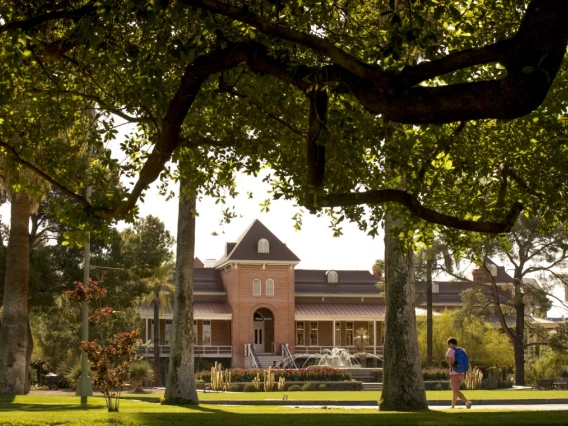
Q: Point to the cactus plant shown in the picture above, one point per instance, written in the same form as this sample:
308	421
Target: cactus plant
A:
281	384
220	379
268	380
256	381
474	378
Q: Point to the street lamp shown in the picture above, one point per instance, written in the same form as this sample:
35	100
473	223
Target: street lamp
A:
85	384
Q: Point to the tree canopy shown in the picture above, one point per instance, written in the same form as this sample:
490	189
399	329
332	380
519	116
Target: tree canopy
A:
314	90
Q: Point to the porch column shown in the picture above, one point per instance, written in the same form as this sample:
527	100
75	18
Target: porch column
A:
333	333
147	338
375	337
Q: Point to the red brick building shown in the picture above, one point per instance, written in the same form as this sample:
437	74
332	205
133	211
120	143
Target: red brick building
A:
254	300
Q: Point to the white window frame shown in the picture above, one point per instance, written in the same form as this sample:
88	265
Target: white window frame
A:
270	287
203	334
256	287
263	246
300	331
349	333
314	327
435	288
332	277
168	331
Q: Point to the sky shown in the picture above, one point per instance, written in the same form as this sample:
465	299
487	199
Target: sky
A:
314	244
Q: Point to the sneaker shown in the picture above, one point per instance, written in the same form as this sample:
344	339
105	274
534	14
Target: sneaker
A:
468	404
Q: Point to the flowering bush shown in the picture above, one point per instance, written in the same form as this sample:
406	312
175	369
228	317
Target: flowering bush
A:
100	315
111	365
110	362
83	293
315	373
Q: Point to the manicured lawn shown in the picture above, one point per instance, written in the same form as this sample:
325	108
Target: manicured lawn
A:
65	410
375	395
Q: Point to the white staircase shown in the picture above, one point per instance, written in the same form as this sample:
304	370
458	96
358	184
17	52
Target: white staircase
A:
266	360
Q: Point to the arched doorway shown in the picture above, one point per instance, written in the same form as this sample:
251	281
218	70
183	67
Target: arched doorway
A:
263	330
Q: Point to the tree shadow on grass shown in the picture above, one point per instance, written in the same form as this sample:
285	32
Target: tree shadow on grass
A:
18	406
205	416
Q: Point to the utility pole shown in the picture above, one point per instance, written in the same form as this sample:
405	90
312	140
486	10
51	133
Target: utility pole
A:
85	384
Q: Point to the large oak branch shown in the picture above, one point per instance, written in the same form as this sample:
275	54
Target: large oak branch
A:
28	24
407	200
312	41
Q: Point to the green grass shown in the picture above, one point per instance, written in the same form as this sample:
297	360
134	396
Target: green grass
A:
48	410
66	410
375	395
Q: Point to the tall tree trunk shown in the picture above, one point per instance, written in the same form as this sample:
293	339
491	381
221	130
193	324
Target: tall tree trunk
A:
180	384
13	337
519	343
156	326
403	386
429	322
29	351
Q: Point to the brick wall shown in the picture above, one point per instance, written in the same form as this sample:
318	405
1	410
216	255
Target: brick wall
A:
220	332
325	333
238	285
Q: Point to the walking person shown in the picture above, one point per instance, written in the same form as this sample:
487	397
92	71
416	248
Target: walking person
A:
459	364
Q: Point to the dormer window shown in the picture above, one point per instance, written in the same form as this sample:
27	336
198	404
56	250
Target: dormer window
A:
435	288
263	246
492	269
332	277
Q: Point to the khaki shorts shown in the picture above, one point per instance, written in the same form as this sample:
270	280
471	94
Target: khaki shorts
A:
455	381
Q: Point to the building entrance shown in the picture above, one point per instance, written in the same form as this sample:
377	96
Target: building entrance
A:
263	331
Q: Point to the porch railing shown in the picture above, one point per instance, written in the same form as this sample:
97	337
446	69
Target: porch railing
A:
199	350
305	349
288	356
251	352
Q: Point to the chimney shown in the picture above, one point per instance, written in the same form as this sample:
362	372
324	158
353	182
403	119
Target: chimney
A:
210	263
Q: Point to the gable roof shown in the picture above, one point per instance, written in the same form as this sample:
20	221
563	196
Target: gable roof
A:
246	247
501	277
312	281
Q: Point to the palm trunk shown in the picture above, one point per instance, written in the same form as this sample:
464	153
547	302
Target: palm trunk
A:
429	321
14	333
29	351
518	343
180	384
157	370
403	386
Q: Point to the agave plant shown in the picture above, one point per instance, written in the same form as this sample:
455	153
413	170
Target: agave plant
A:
141	373
71	370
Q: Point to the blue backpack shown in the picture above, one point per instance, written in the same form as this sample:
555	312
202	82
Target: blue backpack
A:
461	361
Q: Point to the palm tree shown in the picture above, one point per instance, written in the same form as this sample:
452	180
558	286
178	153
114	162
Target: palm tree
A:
160	294
15	338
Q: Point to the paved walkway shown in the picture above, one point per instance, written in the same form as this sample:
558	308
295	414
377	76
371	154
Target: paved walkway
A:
523	404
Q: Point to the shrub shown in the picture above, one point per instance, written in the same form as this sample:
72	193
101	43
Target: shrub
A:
71	371
489	384
294	388
506	384
233	387
141	373
249	387
322	387
438	387
310	386
435	374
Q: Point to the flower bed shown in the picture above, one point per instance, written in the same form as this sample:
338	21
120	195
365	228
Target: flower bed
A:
310	374
329	386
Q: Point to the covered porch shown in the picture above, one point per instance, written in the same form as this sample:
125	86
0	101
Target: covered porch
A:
354	327
211	325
